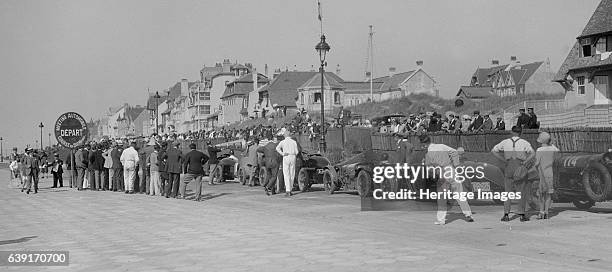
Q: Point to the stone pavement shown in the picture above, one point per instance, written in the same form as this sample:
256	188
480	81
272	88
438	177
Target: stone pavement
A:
238	228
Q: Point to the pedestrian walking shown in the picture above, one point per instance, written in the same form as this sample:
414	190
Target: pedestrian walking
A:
544	159
288	149
517	154
193	168
129	160
445	157
153	165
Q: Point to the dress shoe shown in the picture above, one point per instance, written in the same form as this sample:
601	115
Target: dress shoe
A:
524	218
28	191
469	219
53	187
22	190
505	218
127	192
439	223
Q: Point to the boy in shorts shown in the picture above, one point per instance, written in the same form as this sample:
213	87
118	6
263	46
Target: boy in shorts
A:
545	156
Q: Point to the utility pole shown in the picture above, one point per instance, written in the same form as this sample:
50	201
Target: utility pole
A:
371	47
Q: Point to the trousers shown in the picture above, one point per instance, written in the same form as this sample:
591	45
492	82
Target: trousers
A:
81	177
57	178
271	175
118	179
172	185
129	175
144	181
288	171
198	184
155	183
444	184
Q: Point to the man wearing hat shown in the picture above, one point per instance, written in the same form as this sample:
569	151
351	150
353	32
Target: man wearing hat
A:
533	119
174	161
129	159
487	123
117	167
81	159
515	153
443	156
193	170
288	148
500	124
477	121
57	171
30	165
144	171
213	162
252	162
544	159
271	161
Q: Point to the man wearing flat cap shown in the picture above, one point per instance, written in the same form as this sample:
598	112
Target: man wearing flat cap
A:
477	121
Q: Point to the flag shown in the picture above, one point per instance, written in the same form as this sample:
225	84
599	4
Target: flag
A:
319	5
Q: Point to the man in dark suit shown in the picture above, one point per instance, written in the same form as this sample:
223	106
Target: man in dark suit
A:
500	125
117	184
272	161
477	121
533	119
163	172
213	162
81	158
144	172
193	170
30	165
57	170
174	160
96	165
523	119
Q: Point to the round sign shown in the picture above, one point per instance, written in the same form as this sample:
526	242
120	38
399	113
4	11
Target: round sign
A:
71	130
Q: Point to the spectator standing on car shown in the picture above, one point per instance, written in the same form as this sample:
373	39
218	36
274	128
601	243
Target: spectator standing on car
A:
440	155
544	159
516	153
288	149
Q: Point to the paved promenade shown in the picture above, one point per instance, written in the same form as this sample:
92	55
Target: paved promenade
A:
238	228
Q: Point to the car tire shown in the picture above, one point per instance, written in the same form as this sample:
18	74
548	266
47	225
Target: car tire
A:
597	182
583	204
303	180
364	184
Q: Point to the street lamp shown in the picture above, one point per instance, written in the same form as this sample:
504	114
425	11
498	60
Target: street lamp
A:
1	150
49	139
41	126
157	97
322	48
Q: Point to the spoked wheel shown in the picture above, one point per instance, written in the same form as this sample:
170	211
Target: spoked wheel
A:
584	204
303	180
328	182
364	184
597	182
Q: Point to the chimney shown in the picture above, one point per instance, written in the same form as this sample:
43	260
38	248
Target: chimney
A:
184	87
338	69
226	65
512	58
368	74
276	73
391	71
419	63
266	70
495	62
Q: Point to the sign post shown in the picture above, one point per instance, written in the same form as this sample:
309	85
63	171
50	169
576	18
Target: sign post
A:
71	131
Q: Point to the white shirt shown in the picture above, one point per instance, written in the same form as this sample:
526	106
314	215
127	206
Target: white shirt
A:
287	147
521	150
129	158
441	155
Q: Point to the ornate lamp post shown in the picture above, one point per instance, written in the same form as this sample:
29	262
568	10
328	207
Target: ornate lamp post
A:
322	48
41	126
1	150
49	140
157	97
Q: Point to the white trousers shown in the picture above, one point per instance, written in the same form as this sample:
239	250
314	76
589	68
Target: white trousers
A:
465	207
129	175
288	171
155	183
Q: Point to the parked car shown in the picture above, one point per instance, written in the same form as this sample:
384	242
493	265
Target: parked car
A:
312	170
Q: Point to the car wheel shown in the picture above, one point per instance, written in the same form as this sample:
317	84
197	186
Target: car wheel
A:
597	182
584	204
364	184
328	183
303	180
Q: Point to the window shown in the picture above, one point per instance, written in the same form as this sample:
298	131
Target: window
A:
301	99
205	109
600	46
581	87
317	97
336	97
586	47
204	96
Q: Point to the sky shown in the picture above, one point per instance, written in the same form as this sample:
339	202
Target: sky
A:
86	56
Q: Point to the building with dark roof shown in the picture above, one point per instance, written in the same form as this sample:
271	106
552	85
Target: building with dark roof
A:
510	79
235	98
586	73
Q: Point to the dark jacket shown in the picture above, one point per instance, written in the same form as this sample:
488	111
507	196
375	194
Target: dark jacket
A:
163	172
82	158
533	122
144	153
174	160
194	161
99	160
116	157
523	120
476	124
212	154
59	163
501	125
271	158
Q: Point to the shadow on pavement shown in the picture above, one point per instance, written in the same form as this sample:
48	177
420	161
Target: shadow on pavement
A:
17	241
